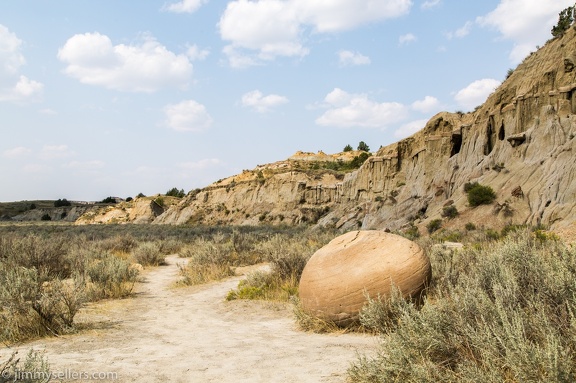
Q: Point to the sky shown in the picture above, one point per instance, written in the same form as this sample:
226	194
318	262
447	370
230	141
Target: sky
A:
120	97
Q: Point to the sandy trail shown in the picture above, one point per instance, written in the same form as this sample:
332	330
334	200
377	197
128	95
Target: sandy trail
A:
192	334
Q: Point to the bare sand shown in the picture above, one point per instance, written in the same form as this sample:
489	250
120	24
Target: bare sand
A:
192	334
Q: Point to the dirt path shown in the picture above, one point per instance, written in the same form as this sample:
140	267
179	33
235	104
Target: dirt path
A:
167	334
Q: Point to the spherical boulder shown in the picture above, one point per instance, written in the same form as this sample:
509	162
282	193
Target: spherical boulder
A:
337	277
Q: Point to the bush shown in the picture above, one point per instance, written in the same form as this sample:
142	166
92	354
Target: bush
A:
434	225
449	211
479	194
174	192
62	202
34	369
46	217
109	200
347	148
112	277
149	254
502	313
565	19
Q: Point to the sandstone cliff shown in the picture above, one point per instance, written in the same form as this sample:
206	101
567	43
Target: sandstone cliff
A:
139	210
520	142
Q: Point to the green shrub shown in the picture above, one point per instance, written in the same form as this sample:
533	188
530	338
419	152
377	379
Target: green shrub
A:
434	225
479	194
449	211
174	192
565	19
470	226
502	313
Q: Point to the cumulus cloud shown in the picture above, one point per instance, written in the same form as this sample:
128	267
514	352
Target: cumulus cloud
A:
187	116
92	59
194	53
50	152
409	129
460	32
184	6
262	104
406	39
348	58
430	4
427	105
85	165
277	28
526	23
476	93
13	85
346	110
17	152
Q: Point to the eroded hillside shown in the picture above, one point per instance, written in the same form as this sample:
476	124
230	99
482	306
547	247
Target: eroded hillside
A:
520	142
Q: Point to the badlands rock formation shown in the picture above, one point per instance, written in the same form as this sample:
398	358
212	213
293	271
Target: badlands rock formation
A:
337	277
520	142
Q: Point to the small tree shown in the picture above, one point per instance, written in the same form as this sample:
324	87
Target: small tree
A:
62	202
108	200
363	146
565	19
348	148
174	192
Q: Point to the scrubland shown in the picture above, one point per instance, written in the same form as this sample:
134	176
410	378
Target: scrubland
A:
500	309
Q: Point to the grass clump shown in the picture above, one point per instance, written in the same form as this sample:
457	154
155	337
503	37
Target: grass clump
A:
34	368
504	312
287	255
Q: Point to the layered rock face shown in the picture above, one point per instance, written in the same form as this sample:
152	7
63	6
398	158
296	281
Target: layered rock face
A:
520	142
337	278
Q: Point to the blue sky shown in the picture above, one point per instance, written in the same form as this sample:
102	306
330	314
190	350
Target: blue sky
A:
118	97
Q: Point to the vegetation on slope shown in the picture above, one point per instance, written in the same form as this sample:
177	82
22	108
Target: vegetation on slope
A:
502	312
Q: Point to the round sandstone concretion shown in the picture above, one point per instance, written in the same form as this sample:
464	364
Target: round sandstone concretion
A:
337	277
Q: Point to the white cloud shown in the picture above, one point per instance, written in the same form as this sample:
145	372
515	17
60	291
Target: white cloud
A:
352	58
430	4
347	110
409	129
427	105
85	165
92	59
185	6
187	116
460	32
525	22
48	111
50	152
36	168
476	93
277	28
195	53
13	85
262	104
406	39
17	152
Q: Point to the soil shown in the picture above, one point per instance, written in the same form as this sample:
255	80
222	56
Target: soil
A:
192	334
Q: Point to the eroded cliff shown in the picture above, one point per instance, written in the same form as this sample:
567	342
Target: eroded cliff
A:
520	142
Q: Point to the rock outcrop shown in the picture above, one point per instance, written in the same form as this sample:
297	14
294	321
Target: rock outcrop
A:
337	277
520	142
140	210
